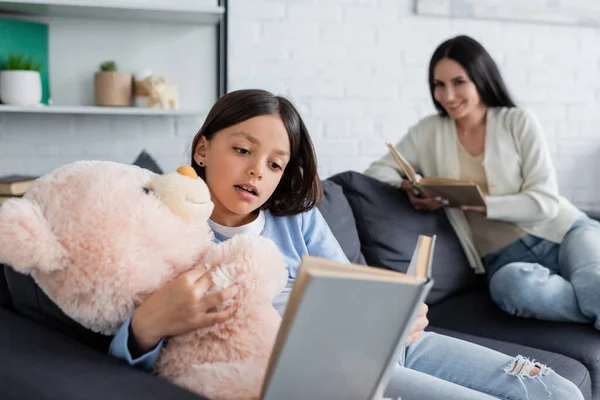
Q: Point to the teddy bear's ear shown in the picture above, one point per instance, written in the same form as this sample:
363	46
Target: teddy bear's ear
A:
26	240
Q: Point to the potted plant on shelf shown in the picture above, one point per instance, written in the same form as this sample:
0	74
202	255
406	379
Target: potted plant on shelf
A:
20	81
112	87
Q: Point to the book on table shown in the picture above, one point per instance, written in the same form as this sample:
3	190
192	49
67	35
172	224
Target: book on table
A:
15	185
344	328
458	192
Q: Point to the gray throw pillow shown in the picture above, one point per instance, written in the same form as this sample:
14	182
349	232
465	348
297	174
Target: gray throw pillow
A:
339	217
145	160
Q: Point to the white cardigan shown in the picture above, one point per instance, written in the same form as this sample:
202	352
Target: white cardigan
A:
520	175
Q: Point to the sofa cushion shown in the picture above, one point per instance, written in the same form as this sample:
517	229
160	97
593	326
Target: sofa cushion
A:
566	367
339	217
38	363
474	312
388	228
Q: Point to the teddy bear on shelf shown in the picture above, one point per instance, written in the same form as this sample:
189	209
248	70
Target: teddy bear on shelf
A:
98	237
154	91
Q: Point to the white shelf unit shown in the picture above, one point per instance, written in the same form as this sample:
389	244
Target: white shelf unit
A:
188	12
182	40
100	110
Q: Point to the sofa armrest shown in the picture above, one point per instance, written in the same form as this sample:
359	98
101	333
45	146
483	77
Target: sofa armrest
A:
5	300
39	363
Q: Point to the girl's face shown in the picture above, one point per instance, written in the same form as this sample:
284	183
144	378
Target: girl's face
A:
454	90
244	164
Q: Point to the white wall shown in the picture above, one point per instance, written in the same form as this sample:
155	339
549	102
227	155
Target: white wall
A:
357	70
38	143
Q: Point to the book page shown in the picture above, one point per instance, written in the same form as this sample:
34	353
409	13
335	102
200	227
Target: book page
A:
404	165
420	263
324	267
423	256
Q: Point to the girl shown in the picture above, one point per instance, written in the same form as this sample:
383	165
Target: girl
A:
256	156
541	253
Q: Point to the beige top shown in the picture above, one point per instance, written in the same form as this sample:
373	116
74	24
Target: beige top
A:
489	235
520	175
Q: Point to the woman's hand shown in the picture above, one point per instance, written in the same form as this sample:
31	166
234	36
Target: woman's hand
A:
419	325
179	306
421	203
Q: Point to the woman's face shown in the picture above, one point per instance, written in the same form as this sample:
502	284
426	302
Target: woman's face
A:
454	90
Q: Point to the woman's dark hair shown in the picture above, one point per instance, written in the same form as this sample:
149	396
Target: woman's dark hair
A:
300	187
479	66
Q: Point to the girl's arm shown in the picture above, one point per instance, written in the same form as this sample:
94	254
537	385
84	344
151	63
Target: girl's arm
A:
124	347
319	239
386	169
538	198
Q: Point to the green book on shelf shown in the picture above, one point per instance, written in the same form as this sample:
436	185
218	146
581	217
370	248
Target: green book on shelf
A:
29	38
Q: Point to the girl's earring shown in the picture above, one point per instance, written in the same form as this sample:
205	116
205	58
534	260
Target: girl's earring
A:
201	163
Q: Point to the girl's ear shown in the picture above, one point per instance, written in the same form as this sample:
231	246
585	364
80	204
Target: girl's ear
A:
201	147
200	150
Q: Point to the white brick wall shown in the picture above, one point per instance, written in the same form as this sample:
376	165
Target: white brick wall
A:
38	143
357	70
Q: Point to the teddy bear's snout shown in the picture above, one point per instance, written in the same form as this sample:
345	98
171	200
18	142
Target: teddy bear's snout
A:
188	171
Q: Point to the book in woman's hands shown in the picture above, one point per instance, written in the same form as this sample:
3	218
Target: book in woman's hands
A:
344	328
458	192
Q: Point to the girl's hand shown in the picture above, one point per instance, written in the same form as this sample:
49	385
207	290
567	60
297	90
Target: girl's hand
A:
422	203
419	325
479	209
179	306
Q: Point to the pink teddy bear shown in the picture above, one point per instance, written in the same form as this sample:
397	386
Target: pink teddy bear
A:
98	237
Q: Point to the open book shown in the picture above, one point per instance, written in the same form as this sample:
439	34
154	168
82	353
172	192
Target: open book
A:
457	192
344	328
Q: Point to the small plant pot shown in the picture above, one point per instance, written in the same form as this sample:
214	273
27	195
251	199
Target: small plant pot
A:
20	88
113	89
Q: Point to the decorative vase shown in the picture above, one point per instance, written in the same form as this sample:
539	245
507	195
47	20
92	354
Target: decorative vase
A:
20	88
113	88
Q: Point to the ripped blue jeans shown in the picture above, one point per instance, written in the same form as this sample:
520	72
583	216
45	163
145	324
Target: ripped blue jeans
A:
536	278
442	367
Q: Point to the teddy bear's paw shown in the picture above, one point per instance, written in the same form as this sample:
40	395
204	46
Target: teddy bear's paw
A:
225	380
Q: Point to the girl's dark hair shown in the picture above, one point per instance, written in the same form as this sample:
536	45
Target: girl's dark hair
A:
479	66
300	187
